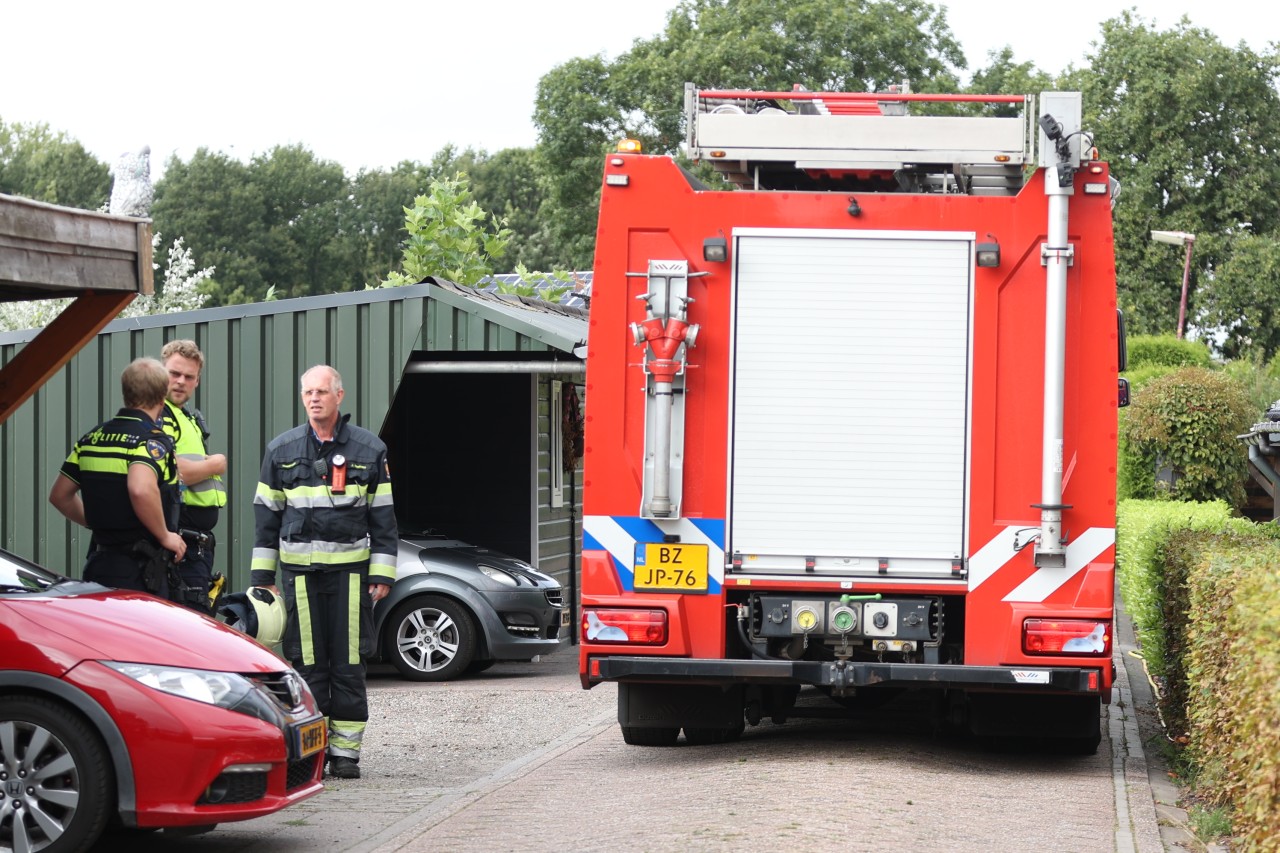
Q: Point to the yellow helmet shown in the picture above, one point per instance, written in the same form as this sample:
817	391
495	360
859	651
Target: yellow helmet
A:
257	613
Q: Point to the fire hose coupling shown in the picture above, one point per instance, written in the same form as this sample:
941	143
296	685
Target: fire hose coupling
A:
668	335
664	360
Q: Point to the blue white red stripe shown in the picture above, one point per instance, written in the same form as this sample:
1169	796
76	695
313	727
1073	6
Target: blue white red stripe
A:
619	535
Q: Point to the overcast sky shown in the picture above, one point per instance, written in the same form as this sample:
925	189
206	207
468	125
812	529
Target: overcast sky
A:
379	81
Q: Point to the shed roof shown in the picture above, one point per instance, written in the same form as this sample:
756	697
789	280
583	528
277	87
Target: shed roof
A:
559	326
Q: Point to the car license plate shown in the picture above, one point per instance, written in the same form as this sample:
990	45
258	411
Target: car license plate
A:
671	567
310	738
564	618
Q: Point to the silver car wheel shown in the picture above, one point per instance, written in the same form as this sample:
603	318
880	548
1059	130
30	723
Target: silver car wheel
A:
430	638
54	788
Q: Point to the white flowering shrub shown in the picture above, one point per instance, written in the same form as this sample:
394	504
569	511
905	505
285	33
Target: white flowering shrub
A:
179	291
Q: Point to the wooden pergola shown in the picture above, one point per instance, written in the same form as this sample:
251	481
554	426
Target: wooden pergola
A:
100	260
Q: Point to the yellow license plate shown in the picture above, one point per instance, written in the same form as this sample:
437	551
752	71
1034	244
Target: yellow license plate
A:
671	567
310	738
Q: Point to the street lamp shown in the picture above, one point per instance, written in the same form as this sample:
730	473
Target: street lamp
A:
1179	238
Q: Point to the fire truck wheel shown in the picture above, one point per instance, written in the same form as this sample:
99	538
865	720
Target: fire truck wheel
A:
698	736
430	638
637	736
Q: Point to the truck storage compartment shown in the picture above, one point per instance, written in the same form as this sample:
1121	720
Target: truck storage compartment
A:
850	383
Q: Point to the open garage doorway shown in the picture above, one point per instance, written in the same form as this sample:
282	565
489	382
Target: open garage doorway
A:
462	453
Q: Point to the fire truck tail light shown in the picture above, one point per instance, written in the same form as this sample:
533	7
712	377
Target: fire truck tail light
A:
1066	637
625	625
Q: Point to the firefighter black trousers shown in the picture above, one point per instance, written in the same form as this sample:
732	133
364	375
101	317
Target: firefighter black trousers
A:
328	636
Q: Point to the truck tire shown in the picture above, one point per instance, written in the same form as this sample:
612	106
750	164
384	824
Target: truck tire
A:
66	772
430	638
637	736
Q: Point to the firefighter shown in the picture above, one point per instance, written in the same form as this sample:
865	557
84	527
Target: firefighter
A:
120	481
199	474
323	514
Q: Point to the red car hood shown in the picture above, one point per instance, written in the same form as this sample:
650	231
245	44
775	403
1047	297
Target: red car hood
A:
136	628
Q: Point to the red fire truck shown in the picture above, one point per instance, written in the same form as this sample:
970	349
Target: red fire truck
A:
851	422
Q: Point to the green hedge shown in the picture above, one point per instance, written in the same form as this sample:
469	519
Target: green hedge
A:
1143	530
1233	665
1203	590
1166	351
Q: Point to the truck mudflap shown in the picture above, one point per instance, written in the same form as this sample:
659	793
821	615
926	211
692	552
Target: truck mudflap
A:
1054	679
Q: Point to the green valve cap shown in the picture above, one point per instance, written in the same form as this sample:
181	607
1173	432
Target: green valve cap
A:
843	620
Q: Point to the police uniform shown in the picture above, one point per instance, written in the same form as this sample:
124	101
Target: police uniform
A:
332	539
99	464
200	501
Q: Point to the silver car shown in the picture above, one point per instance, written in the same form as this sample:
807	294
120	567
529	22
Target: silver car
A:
456	608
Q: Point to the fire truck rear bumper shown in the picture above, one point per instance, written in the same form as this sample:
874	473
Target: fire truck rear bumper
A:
1087	680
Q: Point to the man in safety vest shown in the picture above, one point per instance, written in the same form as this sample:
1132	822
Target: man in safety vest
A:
199	472
323	514
120	481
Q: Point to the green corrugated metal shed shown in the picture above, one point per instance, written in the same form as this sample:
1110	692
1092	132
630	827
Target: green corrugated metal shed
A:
249	393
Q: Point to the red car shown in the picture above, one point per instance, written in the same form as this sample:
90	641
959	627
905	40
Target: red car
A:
120	708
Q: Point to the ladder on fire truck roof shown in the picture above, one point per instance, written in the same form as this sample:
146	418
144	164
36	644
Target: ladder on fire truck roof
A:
804	140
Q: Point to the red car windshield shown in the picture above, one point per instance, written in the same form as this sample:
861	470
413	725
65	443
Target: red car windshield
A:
18	575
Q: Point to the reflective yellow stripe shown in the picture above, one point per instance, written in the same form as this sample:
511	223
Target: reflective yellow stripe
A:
345	737
323	553
353	618
323	496
382	567
264	559
303	605
113	460
272	499
188	443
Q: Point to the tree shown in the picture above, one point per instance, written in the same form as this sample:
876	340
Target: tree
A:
1191	129
585	105
510	184
1183	428
576	120
301	198
1006	77
450	236
283	220
40	164
372	220
212	201
1243	299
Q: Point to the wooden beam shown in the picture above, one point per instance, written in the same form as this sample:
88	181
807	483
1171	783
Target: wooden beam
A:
46	250
50	350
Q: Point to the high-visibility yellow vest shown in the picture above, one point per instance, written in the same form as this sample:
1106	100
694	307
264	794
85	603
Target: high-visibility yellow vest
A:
188	443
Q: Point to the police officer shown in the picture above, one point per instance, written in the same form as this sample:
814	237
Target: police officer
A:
199	472
120	481
323	513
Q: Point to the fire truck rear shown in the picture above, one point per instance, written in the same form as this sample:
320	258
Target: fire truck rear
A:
851	422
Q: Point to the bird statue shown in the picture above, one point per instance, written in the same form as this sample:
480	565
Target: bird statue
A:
131	193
